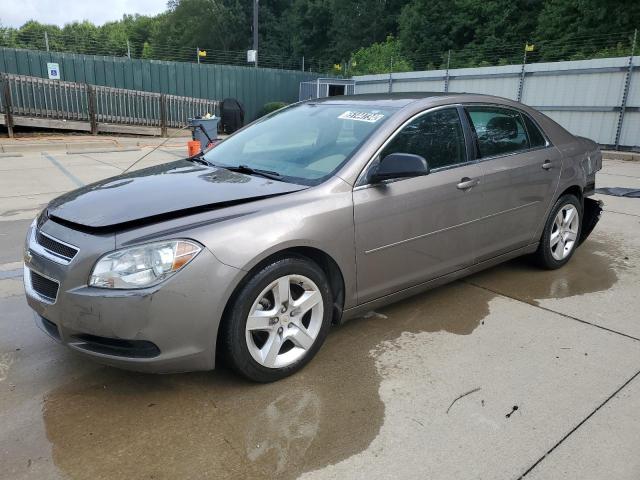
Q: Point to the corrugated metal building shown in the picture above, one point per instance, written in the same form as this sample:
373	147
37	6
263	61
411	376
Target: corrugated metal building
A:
585	96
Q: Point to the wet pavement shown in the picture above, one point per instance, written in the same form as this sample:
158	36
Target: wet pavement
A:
513	371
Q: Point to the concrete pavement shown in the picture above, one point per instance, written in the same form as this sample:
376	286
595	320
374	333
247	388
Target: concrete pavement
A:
511	373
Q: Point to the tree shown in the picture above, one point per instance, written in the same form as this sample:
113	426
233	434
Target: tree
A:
331	32
588	28
477	30
381	57
357	23
310	23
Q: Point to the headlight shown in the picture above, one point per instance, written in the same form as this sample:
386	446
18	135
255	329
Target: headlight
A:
142	266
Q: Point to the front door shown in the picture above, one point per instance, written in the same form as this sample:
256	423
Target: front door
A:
520	172
413	230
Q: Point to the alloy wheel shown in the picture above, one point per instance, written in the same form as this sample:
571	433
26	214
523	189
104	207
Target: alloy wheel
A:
564	233
284	321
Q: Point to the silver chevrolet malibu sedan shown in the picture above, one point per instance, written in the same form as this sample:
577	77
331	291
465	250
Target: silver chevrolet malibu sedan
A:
312	215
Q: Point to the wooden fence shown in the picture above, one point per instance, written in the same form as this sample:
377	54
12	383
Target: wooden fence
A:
39	102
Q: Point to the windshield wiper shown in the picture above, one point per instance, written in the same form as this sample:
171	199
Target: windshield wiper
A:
199	158
253	171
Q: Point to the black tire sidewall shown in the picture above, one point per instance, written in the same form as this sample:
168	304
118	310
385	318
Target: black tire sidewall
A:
544	256
234	322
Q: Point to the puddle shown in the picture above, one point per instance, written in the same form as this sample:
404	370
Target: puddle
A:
593	268
215	425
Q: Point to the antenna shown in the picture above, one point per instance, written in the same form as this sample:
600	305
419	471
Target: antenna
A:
154	148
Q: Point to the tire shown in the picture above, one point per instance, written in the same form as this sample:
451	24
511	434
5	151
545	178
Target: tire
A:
266	336
561	235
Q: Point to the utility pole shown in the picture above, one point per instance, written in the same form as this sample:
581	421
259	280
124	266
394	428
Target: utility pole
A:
255	29
198	54
46	40
128	49
303	63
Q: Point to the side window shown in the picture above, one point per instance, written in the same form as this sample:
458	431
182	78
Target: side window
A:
535	135
436	136
499	130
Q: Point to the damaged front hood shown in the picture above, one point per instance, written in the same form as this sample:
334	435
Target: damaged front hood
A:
166	191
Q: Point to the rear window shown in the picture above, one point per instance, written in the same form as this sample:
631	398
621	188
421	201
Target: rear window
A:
500	131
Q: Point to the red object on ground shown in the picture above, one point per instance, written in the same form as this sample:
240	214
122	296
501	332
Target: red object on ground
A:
193	147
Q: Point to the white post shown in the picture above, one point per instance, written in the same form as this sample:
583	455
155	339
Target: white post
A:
46	40
128	49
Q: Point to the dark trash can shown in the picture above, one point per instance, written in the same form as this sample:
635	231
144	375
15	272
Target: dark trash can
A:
232	114
205	130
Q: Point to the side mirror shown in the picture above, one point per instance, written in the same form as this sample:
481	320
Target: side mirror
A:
399	165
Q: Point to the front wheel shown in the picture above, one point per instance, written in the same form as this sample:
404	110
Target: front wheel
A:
278	320
561	233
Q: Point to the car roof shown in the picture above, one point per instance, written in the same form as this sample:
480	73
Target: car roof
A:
402	99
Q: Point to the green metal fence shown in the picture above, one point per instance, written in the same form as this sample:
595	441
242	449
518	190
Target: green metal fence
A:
252	86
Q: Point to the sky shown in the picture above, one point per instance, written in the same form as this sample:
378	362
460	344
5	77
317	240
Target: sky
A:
14	13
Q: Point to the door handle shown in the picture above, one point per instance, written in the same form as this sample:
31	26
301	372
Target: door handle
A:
466	183
547	165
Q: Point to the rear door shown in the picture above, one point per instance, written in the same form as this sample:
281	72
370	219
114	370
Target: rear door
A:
520	171
412	230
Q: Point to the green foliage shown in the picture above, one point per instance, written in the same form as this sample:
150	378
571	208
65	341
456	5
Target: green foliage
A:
270	107
147	51
359	35
382	57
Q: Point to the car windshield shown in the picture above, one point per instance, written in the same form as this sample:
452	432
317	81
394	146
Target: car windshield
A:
304	144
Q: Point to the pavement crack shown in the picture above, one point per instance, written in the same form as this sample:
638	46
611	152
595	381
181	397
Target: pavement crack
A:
550	310
548	452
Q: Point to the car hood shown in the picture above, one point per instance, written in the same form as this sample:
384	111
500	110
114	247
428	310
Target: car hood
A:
158	193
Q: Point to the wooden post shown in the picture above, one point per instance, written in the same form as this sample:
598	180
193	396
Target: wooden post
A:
92	109
8	114
163	115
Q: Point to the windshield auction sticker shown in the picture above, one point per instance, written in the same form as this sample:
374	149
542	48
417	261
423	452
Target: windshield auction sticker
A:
361	116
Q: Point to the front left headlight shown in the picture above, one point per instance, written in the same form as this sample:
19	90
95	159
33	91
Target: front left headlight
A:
144	265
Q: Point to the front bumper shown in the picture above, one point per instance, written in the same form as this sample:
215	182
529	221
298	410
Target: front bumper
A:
171	327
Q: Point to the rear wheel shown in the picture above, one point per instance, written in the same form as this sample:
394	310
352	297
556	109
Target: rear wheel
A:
561	233
278	320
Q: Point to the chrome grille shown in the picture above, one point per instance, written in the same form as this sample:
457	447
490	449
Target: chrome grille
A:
44	286
56	247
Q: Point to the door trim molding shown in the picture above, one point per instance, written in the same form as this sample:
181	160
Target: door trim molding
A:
401	242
